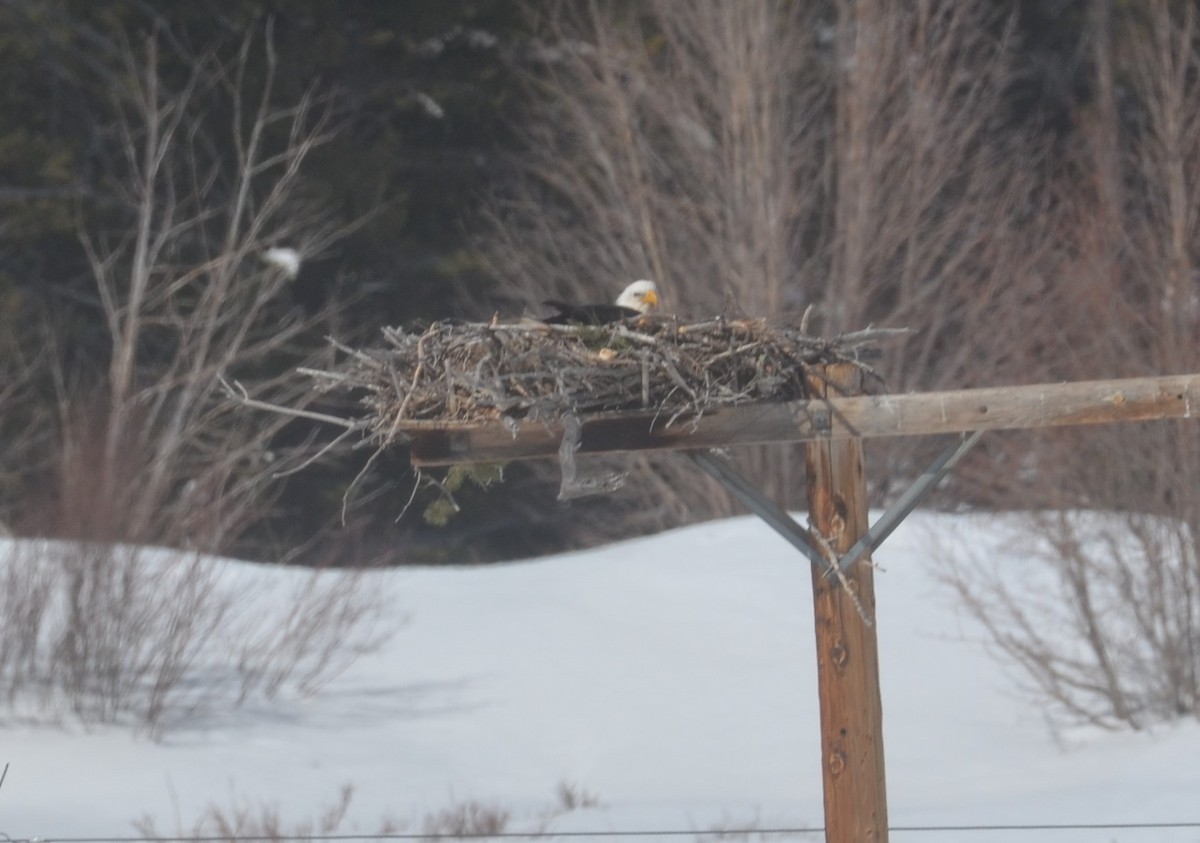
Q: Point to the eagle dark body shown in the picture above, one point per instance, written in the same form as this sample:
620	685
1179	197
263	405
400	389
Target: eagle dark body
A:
638	299
587	314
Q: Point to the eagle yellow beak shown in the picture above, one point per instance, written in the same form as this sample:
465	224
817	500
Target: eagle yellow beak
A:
651	298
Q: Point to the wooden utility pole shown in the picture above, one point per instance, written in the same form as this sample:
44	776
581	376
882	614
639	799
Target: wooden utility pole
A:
847	650
832	423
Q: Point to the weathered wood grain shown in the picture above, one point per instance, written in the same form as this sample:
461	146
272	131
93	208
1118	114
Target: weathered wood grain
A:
847	650
866	416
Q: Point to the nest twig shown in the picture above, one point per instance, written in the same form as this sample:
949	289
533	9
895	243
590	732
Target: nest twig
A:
528	370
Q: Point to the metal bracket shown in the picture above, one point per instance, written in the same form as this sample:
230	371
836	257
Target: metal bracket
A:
758	503
779	520
907	502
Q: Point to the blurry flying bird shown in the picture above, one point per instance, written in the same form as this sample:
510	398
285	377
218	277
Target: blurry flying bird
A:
283	258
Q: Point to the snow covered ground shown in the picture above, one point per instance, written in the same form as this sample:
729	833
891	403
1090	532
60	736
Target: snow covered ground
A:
672	677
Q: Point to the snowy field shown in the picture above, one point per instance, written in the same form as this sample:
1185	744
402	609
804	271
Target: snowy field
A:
672	678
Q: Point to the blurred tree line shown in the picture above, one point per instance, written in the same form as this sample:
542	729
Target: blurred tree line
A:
454	133
424	107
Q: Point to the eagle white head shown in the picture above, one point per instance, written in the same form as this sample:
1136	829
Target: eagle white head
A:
283	258
641	296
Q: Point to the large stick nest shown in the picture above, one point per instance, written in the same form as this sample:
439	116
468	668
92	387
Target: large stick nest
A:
528	370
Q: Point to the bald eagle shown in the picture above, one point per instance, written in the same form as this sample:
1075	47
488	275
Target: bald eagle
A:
638	299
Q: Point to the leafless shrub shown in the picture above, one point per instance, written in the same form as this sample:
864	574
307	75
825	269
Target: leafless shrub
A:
573	797
132	631
470	818
120	633
102	630
1103	622
329	621
1112	633
733	830
26	601
258	822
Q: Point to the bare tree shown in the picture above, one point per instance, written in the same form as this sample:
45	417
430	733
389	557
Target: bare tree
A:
757	158
210	175
935	188
1112	635
668	148
188	300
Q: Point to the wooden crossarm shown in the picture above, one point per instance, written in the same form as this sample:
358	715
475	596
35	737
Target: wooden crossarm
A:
862	416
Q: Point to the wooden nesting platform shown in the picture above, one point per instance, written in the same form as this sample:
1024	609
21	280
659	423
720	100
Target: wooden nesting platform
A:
648	382
482	392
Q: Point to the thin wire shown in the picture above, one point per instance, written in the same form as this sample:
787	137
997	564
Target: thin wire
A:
1047	826
536	835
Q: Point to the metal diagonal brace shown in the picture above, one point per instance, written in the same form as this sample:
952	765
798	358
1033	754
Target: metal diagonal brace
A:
758	503
779	520
907	502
